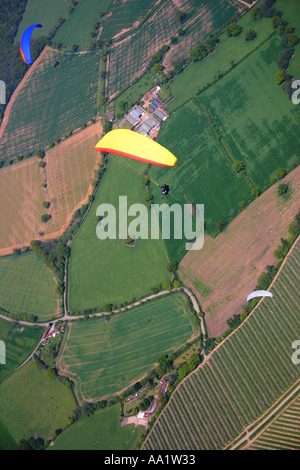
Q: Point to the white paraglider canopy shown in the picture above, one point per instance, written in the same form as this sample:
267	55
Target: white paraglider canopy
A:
259	293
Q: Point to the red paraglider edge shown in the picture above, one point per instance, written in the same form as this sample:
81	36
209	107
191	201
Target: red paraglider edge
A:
129	155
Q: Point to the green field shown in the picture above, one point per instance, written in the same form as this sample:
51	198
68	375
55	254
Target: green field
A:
52	101
7	442
27	285
106	357
202	175
128	59
258	122
101	431
20	342
45	13
77	29
108	271
33	404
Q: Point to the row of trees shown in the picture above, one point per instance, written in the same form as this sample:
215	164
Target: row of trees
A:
290	39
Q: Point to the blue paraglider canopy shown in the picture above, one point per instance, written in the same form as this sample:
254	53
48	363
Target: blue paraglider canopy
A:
25	43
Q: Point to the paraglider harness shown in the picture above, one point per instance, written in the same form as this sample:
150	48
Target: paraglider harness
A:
165	190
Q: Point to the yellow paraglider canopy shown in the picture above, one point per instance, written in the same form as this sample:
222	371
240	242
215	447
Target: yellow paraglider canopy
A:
134	145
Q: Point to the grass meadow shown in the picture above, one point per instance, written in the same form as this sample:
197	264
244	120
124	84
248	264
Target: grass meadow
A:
102	431
33	404
108	271
27	285
20	341
107	356
52	102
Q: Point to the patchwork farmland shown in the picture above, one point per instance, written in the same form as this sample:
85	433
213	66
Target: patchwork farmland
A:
105	357
241	379
222	272
46	106
65	183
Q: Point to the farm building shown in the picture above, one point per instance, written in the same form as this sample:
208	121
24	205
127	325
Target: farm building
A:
147	126
132	118
142	415
155	103
137	112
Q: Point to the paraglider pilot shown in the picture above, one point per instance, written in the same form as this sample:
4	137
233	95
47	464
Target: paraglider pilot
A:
165	191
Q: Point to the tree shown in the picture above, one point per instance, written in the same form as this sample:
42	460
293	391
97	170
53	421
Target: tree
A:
180	16
280	76
172	266
255	192
46	204
282	188
154	290
275	21
239	166
234	29
45	218
280	173
293	39
107	126
39	153
157	68
50	373
74	47
167	286
176	284
255	12
221	225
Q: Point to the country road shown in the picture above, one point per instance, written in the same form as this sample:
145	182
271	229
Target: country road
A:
128	307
